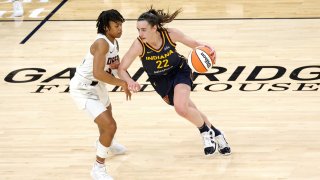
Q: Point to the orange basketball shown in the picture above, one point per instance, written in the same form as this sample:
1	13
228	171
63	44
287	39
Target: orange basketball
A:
199	59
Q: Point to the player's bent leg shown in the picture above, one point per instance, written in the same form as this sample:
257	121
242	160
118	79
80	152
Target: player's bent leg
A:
203	116
216	135
115	147
181	101
183	108
107	128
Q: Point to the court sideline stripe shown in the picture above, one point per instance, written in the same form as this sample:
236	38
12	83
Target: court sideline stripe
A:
181	19
42	22
209	19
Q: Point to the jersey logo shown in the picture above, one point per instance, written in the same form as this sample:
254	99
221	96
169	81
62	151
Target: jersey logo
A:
166	48
111	51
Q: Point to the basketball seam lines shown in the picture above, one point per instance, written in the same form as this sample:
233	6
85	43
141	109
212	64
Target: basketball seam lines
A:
199	59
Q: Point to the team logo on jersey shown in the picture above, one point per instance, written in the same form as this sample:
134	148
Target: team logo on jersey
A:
166	48
113	59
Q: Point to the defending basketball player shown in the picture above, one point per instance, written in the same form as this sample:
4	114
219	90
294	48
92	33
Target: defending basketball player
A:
88	89
169	72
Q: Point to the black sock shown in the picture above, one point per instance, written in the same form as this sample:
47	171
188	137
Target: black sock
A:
216	131
203	128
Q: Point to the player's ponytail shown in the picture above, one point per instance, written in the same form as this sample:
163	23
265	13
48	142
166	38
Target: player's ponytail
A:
158	17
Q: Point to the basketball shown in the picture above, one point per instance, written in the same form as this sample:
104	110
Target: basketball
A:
199	59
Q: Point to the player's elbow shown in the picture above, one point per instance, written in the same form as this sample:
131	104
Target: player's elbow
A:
97	74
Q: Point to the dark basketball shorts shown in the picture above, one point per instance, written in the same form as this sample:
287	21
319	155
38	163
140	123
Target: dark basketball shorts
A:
164	84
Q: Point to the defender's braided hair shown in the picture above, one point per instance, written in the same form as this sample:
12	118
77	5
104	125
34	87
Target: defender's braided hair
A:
105	17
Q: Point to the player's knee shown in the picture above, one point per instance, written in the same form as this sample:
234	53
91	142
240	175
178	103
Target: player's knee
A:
114	126
181	109
107	125
110	126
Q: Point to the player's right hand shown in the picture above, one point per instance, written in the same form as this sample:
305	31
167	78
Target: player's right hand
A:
127	91
212	53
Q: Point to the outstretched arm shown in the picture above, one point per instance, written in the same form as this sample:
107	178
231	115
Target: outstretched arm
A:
134	51
178	36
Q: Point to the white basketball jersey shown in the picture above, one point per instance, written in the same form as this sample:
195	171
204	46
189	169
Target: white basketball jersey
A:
86	68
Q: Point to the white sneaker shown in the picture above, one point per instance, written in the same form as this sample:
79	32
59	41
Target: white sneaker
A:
209	144
99	173
117	148
17	9
223	146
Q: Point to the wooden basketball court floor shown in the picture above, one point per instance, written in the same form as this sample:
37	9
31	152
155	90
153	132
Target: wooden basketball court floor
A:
263	93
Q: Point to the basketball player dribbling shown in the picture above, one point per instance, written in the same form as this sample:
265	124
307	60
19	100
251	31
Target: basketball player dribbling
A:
88	89
169	73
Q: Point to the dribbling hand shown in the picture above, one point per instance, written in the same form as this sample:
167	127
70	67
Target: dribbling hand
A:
212	53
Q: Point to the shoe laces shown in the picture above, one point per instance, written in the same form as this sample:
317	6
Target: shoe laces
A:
222	143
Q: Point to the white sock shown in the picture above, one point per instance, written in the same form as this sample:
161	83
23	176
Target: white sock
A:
99	164
102	151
